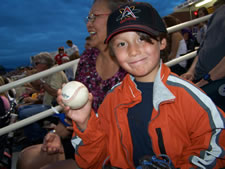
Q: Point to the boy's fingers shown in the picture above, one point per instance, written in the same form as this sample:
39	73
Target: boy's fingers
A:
69	128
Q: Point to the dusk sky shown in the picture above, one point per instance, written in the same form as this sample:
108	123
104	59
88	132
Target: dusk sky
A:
29	27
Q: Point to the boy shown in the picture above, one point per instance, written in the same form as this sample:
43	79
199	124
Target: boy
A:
152	112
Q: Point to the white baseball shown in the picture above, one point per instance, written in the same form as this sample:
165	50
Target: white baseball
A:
74	94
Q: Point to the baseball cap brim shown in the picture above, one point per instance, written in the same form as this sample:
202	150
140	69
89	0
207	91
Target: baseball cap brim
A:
140	28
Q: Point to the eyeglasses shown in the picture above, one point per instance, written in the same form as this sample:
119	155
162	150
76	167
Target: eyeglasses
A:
92	17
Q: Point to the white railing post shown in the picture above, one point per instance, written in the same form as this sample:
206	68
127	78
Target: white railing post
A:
28	121
188	23
38	75
181	58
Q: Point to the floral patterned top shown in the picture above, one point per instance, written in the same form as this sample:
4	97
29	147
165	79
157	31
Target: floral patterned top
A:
87	74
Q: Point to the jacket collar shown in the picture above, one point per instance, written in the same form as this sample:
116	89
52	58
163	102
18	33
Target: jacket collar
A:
160	92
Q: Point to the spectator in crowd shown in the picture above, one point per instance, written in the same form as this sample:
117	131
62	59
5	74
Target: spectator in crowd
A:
4	96
190	40
60	55
217	4
202	27
68	71
153	113
176	45
75	51
191	43
5	147
87	43
49	85
207	69
96	69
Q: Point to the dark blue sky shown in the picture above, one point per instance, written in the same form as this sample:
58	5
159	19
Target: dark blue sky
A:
32	26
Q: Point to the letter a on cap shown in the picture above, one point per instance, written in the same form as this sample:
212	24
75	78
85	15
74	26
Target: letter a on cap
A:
127	13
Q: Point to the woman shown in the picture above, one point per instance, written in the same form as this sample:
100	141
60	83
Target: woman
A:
176	45
48	86
202	27
97	70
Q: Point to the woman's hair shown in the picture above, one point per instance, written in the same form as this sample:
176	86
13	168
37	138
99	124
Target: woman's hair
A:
45	58
144	36
171	20
204	10
114	4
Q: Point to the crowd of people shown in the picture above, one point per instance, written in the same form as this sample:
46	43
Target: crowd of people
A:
140	113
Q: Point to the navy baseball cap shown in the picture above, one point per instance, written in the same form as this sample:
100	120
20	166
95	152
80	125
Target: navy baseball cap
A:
135	16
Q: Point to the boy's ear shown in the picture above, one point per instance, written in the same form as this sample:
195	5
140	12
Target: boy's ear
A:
163	44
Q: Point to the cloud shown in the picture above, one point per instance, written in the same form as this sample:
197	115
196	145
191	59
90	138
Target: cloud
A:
29	27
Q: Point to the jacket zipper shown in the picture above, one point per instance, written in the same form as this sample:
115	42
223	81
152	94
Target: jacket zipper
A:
159	132
160	141
121	140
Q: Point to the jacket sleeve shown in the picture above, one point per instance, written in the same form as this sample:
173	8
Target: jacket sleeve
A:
206	127
90	145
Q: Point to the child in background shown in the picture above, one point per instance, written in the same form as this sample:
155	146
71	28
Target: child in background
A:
68	71
152	112
60	55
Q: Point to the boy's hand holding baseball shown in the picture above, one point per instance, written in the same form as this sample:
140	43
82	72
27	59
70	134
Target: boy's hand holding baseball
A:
79	116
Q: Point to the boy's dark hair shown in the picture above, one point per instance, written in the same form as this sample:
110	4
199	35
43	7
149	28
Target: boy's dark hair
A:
148	38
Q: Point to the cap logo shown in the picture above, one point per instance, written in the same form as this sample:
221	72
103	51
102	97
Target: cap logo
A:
127	13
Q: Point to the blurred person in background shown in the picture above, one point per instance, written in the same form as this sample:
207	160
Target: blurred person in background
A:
190	40
74	53
60	55
207	69
191	43
68	71
4	96
5	141
87	43
49	86
202	27
176	45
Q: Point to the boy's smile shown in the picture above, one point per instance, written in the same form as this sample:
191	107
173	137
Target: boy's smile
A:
137	61
137	56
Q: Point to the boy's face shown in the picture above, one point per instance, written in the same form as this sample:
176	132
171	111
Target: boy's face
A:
136	56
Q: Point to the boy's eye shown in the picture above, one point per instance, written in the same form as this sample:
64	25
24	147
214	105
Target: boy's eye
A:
141	39
121	44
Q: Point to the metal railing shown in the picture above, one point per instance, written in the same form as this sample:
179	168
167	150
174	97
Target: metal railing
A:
55	69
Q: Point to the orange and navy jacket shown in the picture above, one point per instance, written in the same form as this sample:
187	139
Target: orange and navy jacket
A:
185	124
